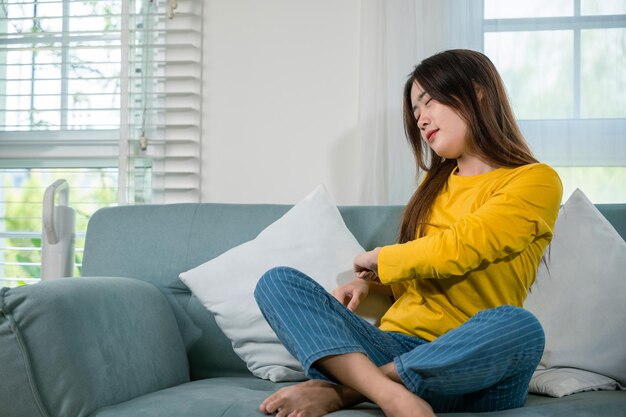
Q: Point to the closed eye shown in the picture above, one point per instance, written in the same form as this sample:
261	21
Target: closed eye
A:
425	103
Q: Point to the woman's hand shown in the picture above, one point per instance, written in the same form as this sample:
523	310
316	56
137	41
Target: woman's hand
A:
352	293
366	265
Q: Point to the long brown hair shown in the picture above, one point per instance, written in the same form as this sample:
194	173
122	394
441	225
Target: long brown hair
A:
468	82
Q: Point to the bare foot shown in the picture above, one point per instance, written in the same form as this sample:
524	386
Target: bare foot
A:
403	403
312	398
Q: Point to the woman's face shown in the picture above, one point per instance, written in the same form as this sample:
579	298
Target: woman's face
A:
440	126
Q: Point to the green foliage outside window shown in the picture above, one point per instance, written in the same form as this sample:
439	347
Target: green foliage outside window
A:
23	192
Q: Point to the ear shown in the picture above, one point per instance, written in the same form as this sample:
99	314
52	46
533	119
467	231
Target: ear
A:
479	92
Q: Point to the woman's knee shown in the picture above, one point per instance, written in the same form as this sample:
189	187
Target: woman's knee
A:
515	319
523	315
509	313
271	281
277	280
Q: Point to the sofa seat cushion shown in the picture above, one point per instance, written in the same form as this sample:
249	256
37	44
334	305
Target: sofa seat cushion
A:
240	397
223	396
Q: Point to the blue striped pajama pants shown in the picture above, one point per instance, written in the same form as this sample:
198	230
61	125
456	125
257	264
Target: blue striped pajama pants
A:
483	365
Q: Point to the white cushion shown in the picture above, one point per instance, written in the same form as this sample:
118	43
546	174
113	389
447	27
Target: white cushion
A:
559	382
310	237
579	296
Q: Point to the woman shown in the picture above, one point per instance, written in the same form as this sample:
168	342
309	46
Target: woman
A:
471	239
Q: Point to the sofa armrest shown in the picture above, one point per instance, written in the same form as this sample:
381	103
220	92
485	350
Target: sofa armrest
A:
73	345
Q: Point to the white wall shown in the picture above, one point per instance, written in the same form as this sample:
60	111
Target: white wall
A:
280	100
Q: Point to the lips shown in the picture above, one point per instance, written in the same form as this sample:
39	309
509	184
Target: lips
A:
430	134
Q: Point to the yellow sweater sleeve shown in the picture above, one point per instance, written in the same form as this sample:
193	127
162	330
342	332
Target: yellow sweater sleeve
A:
509	220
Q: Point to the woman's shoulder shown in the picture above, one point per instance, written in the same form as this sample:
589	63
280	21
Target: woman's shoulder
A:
537	167
539	171
533	182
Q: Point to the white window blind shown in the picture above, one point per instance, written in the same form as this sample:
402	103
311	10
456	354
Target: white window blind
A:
165	99
105	94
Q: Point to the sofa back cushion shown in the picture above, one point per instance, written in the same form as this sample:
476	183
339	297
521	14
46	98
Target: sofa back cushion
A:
156	243
616	215
82	344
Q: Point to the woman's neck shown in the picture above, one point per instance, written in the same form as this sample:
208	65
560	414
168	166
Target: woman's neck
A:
469	165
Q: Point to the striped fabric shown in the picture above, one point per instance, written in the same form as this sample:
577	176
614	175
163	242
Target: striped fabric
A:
483	365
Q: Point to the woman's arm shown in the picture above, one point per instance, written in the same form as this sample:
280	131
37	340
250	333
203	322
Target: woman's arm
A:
513	217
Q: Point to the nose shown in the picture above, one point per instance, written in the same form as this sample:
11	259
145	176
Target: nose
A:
423	121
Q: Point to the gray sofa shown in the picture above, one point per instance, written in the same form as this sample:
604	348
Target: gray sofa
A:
130	340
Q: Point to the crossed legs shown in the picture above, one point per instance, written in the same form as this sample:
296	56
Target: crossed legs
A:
484	365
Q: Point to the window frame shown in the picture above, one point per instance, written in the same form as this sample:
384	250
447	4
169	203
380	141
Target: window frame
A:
591	142
160	48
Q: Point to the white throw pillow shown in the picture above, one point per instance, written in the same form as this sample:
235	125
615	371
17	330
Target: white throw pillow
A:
559	382
311	237
579	296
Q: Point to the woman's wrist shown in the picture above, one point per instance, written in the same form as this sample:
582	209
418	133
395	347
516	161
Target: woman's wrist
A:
374	259
366	265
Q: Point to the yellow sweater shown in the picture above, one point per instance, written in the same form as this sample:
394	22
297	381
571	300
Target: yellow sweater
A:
485	239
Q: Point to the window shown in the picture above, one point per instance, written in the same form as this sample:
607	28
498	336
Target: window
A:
564	64
21	196
85	88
